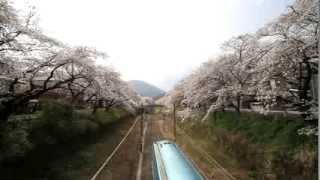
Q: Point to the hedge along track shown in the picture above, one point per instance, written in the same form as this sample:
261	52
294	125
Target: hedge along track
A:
105	163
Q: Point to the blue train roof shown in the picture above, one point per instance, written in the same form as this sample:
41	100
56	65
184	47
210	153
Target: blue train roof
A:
172	164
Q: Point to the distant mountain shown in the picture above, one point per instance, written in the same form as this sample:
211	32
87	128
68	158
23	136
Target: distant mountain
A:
146	89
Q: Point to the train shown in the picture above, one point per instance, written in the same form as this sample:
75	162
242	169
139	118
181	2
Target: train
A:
169	163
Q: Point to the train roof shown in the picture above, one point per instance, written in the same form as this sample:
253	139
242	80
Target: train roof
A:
172	163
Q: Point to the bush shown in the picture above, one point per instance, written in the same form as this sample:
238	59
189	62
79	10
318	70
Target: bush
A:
56	124
58	131
60	123
15	143
103	117
299	164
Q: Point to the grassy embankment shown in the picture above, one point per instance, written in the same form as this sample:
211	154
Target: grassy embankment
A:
60	142
257	146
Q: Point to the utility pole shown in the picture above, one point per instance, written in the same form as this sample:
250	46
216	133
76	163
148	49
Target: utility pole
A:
318	35
141	128
174	122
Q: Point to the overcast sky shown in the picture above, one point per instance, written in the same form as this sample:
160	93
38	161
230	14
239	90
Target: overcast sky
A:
158	41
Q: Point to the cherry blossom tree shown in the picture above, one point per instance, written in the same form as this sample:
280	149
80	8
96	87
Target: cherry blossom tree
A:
274	66
296	56
37	75
33	64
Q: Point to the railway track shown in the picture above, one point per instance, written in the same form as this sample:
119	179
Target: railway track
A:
109	157
141	154
152	131
217	167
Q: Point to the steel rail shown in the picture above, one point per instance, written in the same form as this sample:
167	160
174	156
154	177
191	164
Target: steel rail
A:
114	151
224	172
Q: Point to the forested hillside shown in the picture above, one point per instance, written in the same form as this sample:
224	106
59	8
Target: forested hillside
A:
146	89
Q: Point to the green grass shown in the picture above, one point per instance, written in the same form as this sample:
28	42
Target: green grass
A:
258	143
272	130
103	117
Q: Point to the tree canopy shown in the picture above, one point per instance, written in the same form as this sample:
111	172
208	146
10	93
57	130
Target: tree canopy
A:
274	66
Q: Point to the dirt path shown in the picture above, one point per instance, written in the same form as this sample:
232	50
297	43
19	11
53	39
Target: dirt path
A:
124	163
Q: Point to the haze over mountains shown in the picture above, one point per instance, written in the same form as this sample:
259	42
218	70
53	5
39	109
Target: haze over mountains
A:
145	89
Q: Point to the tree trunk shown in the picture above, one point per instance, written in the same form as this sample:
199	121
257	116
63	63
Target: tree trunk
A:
6	111
11	107
107	108
95	107
238	105
306	82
